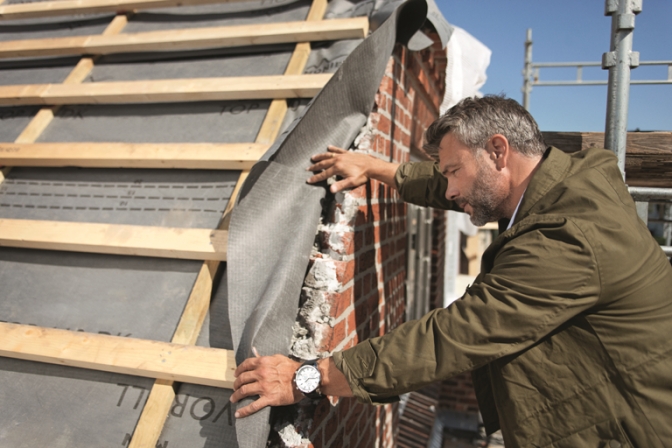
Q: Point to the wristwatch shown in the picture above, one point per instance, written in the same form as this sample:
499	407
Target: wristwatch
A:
308	378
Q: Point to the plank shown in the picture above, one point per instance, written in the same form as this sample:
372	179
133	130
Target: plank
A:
154	359
166	90
190	39
162	395
192	318
648	158
68	7
232	156
193	244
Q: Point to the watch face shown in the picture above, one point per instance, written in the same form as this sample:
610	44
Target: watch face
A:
307	379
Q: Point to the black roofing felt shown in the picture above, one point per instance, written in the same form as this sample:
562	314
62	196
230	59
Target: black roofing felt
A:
46	405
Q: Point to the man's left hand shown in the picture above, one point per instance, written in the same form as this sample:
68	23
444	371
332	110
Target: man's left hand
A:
270	377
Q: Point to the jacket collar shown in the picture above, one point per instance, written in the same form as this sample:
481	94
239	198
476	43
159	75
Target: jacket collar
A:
553	169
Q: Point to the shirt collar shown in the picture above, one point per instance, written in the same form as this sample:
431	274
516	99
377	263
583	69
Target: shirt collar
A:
515	212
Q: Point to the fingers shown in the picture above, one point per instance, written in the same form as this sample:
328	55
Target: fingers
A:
323	175
322	164
327	165
248	364
332	152
253	407
270	378
347	183
324	156
246	390
245	378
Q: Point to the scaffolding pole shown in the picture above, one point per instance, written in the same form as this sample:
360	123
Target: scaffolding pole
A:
527	71
619	60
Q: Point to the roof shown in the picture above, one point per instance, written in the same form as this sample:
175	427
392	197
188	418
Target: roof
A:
126	150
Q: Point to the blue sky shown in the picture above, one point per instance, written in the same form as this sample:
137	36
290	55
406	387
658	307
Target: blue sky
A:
569	31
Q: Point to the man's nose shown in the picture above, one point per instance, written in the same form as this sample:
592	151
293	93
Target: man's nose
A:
452	192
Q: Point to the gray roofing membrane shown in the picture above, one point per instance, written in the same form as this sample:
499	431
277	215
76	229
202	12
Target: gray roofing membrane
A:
271	233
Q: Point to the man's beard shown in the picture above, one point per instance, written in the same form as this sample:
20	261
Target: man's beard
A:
487	196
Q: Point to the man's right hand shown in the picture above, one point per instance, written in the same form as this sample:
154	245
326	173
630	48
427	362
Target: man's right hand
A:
355	169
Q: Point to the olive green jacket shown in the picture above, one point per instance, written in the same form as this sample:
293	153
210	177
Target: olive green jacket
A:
568	328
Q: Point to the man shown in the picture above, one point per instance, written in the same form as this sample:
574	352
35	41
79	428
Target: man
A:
568	328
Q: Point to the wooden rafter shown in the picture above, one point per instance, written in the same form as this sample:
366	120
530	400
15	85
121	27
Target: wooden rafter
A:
162	394
190	39
71	7
165	90
148	241
140	357
232	156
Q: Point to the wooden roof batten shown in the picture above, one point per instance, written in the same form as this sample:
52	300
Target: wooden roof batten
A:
190	39
116	239
166	90
141	357
74	7
219	156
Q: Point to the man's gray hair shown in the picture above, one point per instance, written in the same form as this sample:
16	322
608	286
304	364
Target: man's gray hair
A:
474	120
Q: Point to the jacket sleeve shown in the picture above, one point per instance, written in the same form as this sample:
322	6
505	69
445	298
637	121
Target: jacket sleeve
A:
422	183
538	280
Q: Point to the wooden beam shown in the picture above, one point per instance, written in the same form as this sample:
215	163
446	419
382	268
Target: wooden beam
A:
190	39
71	7
139	357
161	397
165	90
148	241
232	156
648	157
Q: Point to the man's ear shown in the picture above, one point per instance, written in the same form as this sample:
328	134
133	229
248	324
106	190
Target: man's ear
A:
499	150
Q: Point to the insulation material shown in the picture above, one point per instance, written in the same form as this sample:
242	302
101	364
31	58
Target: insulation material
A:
176	198
468	59
13	120
256	295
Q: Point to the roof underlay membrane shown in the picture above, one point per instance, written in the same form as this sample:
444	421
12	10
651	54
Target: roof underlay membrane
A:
255	292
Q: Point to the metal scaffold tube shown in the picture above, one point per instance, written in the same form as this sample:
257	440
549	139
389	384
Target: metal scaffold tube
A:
619	60
527	71
646	194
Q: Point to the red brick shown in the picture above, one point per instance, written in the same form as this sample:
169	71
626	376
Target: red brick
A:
345	271
366	288
316	440
338	441
320	413
383	125
340	301
362	215
385	84
338	335
351	323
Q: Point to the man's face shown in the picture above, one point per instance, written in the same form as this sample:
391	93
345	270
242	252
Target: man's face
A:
473	181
